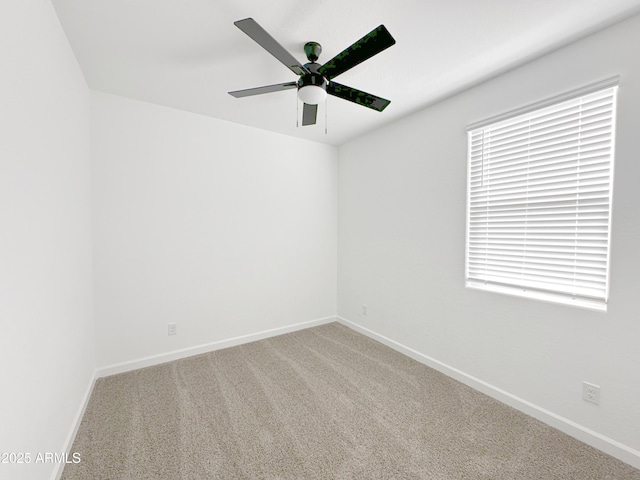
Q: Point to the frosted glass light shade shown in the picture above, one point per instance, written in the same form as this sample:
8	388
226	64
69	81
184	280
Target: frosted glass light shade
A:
312	94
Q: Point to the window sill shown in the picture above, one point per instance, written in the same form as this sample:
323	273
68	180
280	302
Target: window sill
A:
586	303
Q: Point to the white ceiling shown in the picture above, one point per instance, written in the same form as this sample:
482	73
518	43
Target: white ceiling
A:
187	54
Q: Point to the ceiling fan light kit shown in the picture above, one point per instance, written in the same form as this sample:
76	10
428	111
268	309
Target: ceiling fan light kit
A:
312	94
312	86
315	80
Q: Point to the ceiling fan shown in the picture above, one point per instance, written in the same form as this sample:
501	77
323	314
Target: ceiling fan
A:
316	81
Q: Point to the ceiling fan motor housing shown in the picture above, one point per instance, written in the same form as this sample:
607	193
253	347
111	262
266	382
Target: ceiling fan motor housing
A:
313	78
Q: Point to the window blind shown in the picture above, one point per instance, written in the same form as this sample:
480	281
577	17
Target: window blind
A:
539	201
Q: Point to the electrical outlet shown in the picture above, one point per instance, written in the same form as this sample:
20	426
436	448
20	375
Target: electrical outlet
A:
173	329
591	393
365	310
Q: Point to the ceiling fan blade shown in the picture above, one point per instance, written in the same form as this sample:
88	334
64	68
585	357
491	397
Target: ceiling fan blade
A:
357	96
371	44
266	41
260	90
309	114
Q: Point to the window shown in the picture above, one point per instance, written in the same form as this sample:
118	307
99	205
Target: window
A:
539	199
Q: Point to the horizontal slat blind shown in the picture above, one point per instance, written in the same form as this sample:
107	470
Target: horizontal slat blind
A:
539	200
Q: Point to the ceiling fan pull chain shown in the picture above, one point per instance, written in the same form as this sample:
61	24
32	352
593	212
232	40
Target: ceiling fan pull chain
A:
326	109
297	111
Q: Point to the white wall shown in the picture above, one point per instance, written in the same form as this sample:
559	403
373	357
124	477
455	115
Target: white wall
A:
222	229
402	194
47	338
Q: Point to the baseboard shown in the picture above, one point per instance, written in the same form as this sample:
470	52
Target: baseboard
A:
590	437
75	425
205	348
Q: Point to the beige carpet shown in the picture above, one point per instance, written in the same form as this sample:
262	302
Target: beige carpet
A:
322	403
